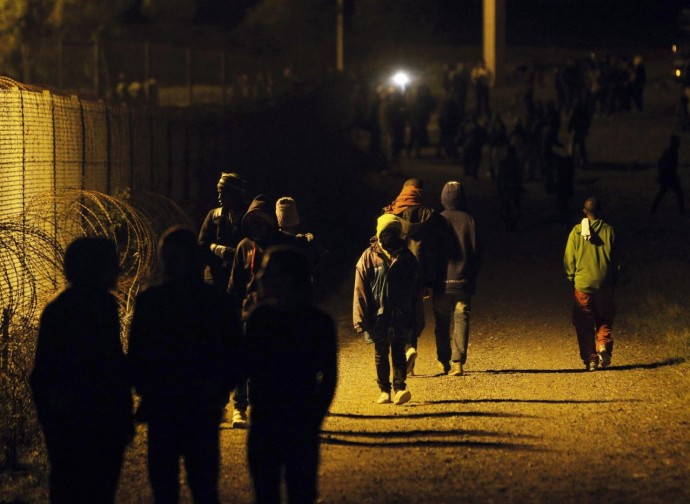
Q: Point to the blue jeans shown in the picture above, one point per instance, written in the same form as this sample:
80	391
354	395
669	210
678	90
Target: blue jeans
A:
458	306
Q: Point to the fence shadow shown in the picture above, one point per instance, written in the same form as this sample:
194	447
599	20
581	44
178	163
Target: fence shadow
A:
437	414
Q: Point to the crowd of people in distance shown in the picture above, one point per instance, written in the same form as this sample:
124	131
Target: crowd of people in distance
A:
547	142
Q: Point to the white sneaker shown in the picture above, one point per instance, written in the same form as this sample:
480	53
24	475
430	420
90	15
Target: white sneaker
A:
456	369
604	357
384	398
239	419
411	357
402	396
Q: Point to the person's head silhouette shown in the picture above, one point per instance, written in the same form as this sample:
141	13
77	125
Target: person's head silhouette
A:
179	252
91	263
285	277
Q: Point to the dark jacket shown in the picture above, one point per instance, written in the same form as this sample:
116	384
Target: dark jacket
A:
219	228
385	293
457	257
80	379
250	253
298	349
184	347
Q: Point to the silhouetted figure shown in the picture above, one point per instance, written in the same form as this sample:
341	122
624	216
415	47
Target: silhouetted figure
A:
394	117
667	177
578	127
185	355
460	81
482	79
456	264
564	172
383	306
221	232
684	113
289	223
638	82
472	151
80	382
420	112
417	219
261	231
293	373
591	264
509	188
449	121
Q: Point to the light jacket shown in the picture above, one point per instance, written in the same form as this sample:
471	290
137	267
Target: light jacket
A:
591	263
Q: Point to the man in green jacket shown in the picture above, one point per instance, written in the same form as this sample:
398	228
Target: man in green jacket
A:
591	263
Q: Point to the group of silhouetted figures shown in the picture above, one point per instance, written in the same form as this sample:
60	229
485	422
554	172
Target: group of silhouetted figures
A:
187	349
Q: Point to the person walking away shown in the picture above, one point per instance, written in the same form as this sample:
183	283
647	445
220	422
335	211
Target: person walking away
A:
416	219
423	106
382	309
260	229
185	353
79	381
591	264
449	121
578	127
638	82
292	341
667	177
482	79
455	266
289	222
221	232
509	188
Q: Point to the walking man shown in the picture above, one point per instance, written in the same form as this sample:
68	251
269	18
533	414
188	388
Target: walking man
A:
385	292
455	265
591	263
668	174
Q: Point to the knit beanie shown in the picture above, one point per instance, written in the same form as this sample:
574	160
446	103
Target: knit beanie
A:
232	181
286	212
388	221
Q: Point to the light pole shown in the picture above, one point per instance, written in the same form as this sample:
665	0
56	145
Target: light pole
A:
494	35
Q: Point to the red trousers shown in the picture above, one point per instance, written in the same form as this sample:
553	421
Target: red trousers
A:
593	320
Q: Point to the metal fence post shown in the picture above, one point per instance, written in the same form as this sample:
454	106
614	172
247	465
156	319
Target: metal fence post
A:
190	82
96	66
223	77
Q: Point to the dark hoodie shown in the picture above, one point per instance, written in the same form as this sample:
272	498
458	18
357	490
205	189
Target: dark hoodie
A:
456	258
250	253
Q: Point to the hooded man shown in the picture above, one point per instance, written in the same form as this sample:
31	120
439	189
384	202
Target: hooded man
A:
221	231
455	266
591	263
386	289
260	228
416	219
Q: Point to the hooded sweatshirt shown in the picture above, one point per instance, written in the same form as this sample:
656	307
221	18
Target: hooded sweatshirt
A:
415	218
249	253
457	258
386	287
591	263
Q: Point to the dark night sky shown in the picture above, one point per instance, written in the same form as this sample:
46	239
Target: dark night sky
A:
530	22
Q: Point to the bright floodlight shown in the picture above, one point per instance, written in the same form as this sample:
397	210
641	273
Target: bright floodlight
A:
401	79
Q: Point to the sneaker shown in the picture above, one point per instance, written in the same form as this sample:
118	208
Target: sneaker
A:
604	357
411	357
384	398
593	365
402	396
239	419
456	369
444	367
